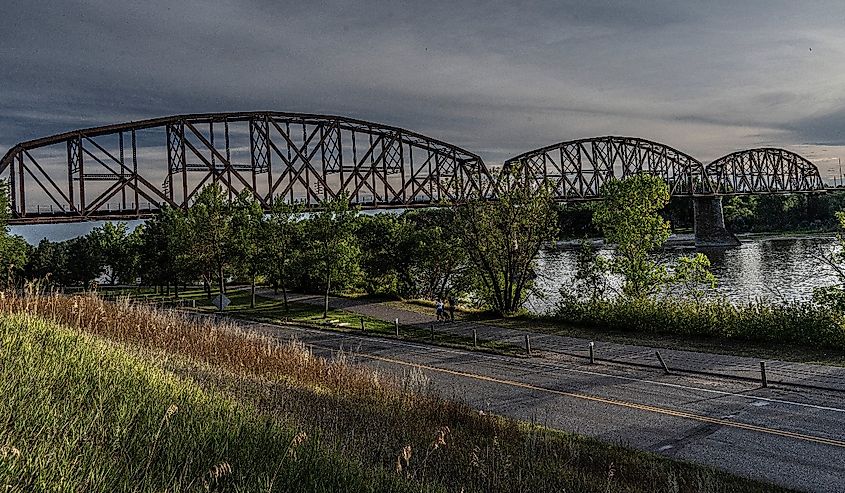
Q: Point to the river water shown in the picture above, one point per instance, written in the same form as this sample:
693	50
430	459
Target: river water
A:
767	267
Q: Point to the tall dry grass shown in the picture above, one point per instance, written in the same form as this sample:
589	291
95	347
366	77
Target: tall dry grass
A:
218	343
80	413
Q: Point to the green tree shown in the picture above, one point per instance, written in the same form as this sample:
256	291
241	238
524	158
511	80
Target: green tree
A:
436	260
48	262
773	212
210	233
575	220
248	237
385	241
13	249
740	212
833	297
119	251
590	279
84	261
165	256
331	234
628	215
74	262
283	237
502	239
5	206
692	274
14	253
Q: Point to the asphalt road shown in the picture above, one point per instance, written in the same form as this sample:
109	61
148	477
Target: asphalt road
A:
795	438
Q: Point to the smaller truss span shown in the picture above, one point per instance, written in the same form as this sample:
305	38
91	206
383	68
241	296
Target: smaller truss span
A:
577	169
764	170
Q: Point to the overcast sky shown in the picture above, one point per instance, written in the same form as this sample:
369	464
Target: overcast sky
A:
495	78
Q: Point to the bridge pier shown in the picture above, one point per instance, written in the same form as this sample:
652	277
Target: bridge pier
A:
710	228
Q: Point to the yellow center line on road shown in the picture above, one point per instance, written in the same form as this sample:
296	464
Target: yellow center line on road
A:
614	402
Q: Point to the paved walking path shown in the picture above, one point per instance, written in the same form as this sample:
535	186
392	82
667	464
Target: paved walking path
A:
556	347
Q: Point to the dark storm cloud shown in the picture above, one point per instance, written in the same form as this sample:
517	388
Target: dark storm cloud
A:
827	128
495	77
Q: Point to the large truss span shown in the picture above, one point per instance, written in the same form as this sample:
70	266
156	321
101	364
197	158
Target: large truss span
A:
132	170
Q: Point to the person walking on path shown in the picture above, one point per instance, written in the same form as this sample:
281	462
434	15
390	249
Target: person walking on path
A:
452	308
439	309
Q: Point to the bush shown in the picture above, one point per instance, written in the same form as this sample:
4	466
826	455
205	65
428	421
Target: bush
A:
790	322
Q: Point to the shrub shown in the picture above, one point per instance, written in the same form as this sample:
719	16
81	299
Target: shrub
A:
791	322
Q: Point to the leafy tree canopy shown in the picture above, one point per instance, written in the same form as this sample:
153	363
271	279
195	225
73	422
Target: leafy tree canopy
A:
331	243
628	215
210	229
502	239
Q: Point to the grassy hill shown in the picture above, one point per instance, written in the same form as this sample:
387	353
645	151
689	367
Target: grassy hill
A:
100	396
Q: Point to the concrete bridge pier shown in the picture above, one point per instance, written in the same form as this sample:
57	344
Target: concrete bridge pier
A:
710	228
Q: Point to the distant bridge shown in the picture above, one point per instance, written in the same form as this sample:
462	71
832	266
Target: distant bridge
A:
577	169
132	170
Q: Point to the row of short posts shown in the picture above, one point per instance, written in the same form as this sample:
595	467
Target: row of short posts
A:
431	332
396	328
395	324
763	379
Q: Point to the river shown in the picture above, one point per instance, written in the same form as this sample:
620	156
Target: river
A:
766	267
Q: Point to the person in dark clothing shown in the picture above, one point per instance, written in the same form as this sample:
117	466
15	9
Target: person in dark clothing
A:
452	308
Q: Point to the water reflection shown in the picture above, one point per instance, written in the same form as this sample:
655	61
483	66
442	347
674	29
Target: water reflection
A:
775	268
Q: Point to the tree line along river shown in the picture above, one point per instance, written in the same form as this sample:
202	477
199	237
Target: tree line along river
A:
771	267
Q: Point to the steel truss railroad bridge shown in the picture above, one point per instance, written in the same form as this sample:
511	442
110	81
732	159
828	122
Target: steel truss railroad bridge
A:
132	170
